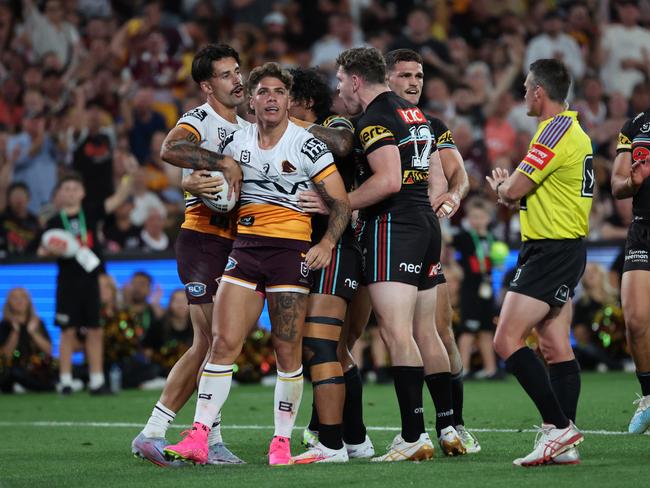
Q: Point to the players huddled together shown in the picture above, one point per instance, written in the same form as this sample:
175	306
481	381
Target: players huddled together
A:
338	215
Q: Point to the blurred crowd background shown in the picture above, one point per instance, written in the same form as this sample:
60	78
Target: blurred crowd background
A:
93	86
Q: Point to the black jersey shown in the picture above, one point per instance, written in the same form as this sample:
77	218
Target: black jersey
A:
441	133
635	138
391	120
346	168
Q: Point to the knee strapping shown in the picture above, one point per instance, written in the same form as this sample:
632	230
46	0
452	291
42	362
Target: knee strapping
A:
321	339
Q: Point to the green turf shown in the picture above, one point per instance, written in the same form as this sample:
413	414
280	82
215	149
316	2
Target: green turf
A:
69	456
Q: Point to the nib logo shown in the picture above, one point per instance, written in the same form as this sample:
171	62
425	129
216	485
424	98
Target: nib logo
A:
287	167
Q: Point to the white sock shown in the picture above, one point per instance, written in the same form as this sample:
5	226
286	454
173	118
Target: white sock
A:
96	380
65	379
286	401
158	423
214	437
214	387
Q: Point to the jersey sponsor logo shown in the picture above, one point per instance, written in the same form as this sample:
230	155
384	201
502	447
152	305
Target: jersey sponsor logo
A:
412	115
640	153
196	288
623	140
412	176
637	256
247	221
197	113
434	270
373	133
314	149
562	294
62	318
231	264
287	167
350	283
539	156
446	139
410	267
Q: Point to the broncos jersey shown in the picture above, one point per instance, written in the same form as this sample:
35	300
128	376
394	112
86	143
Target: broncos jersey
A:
274	177
635	138
210	129
391	120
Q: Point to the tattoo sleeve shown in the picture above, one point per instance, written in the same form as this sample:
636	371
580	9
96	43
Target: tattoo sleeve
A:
287	312
186	153
340	212
338	140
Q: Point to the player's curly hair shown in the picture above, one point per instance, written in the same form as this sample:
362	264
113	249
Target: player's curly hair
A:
365	62
310	85
202	62
401	55
272	70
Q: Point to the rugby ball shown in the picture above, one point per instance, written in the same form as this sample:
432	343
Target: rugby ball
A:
220	203
56	239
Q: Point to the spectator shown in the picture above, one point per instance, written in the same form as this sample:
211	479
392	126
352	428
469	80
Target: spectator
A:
591	107
341	34
25	346
11	108
478	308
34	156
137	299
49	32
554	43
144	200
167	342
597	294
152	236
19	229
93	154
417	36
119	233
142	122
640	99
626	50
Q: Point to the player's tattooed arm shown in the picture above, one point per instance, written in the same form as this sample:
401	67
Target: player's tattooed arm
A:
338	140
285	310
340	211
181	148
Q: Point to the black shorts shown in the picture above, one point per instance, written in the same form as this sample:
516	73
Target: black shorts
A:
201	259
637	247
549	270
341	277
269	264
402	247
77	302
476	315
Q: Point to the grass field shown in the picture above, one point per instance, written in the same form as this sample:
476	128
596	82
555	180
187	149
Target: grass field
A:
48	440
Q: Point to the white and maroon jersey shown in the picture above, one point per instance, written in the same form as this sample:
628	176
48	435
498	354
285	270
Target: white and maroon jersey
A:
211	130
274	177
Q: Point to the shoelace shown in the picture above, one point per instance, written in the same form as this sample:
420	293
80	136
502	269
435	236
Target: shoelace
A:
642	402
541	432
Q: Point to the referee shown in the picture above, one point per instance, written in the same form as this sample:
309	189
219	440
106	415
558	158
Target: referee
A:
553	186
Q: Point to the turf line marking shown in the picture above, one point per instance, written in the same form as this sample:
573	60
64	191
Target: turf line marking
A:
262	427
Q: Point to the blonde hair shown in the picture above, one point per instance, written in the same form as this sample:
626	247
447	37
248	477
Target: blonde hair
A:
7	313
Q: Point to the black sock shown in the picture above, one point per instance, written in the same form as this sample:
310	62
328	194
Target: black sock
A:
565	381
331	436
313	422
457	397
354	430
532	376
409	381
439	385
644	381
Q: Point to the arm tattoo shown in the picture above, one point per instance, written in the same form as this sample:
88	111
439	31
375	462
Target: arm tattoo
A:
340	212
287	311
339	141
186	153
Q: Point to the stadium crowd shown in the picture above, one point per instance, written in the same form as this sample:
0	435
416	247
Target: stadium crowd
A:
94	85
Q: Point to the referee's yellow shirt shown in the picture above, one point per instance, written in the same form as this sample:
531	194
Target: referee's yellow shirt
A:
560	161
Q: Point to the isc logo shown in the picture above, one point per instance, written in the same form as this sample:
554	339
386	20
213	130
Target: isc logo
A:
412	115
410	267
